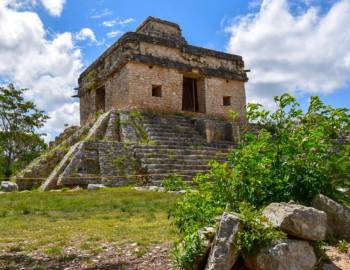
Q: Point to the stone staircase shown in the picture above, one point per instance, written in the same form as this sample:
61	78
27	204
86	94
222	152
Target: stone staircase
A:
123	147
177	149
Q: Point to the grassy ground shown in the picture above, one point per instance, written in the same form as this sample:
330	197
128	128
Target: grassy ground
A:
50	222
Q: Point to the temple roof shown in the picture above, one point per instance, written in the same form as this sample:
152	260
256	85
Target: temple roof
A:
163	33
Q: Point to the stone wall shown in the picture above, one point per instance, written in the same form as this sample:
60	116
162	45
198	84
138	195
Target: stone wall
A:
216	89
157	54
131	88
117	90
142	77
161	28
87	106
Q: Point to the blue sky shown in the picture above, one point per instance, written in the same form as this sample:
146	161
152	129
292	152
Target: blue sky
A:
299	46
201	24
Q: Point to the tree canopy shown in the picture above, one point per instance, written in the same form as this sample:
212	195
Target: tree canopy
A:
20	120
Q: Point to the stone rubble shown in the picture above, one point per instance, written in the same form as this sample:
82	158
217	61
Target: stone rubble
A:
222	254
303	225
286	254
298	220
8	186
95	186
338	224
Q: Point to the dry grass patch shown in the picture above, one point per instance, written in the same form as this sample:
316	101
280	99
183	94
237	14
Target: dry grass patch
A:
51	222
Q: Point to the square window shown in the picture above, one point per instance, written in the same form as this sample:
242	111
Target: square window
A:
156	91
227	101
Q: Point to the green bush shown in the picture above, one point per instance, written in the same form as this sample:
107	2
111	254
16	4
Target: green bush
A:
293	155
343	246
257	232
185	253
174	183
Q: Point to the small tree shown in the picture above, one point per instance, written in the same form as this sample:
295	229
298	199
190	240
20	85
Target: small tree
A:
19	121
289	155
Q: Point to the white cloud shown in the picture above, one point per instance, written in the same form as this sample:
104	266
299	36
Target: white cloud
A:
104	13
49	67
114	34
304	53
54	7
66	114
86	33
117	21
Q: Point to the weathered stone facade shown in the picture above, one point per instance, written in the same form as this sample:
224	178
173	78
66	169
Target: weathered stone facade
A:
154	69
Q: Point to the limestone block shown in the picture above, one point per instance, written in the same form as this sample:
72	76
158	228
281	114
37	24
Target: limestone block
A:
338	216
95	186
8	186
298	220
223	254
286	254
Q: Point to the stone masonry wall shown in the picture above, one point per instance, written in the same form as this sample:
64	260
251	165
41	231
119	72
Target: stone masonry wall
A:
216	89
117	90
178	55
87	106
131	88
141	77
124	70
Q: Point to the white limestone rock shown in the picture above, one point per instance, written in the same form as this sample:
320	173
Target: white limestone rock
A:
338	216
286	254
95	186
223	254
8	186
298	220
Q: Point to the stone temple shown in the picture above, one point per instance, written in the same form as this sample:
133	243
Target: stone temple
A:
151	106
155	69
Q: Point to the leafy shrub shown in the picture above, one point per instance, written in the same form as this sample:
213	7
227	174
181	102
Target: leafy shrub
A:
186	252
174	183
343	246
293	155
257	232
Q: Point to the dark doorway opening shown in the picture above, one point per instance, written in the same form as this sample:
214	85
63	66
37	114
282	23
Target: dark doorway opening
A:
190	95
100	99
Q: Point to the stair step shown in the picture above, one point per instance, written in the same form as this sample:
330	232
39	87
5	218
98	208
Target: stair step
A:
155	136
187	146
181	156
170	166
187	161
176	171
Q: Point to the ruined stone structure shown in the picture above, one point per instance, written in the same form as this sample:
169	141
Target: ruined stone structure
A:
151	107
155	69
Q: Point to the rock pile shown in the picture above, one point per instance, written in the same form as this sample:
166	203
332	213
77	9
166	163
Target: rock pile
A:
7	186
301	224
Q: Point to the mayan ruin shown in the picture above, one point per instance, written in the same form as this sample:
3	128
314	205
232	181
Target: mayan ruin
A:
151	106
174	135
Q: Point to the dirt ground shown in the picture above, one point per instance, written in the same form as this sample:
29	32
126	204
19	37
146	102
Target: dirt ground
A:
130	257
339	261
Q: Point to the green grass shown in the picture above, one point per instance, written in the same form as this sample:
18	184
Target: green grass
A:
51	221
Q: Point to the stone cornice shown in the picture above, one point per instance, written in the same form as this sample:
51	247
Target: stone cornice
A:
125	48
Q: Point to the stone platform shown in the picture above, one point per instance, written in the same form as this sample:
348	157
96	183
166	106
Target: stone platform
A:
125	147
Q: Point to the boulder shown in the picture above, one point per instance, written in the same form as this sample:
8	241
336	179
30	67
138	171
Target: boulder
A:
338	216
8	186
298	220
286	254
207	235
95	186
223	254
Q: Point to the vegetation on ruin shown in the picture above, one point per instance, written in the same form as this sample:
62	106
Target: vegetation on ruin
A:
19	121
50	222
294	155
174	183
